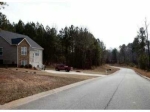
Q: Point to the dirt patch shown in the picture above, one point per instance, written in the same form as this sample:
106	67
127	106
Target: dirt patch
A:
15	84
100	70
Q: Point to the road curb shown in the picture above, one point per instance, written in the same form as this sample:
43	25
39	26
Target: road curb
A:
143	76
146	77
28	99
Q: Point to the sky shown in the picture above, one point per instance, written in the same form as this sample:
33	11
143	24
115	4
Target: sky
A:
115	22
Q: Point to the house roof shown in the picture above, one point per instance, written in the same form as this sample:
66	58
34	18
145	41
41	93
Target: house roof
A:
16	41
15	38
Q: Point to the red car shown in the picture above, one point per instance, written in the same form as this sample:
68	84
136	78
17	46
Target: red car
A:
62	67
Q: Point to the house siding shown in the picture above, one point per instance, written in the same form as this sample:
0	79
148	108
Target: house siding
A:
9	52
24	43
36	61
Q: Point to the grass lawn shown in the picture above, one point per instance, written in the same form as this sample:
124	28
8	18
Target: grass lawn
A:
18	83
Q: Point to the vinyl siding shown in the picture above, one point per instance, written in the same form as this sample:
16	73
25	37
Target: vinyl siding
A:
36	60
9	52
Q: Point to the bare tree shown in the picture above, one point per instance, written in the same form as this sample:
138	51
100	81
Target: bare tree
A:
147	41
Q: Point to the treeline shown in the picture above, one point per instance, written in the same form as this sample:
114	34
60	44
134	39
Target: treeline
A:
74	46
134	54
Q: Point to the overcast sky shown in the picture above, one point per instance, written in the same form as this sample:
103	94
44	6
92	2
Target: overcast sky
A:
115	22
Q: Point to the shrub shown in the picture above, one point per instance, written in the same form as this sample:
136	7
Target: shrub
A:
28	66
33	68
131	65
21	66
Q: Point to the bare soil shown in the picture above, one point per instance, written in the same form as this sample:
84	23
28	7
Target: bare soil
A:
101	70
18	83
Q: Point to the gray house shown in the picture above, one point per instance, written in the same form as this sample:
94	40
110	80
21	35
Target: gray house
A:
19	49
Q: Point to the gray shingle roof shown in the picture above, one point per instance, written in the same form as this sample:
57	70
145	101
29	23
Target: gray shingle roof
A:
16	41
8	36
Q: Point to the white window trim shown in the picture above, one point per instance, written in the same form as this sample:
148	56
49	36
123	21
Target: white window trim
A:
37	53
23	50
2	51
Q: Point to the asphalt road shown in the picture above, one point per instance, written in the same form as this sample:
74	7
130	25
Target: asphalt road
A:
122	90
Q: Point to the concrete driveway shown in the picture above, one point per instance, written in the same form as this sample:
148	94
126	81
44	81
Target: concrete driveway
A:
74	73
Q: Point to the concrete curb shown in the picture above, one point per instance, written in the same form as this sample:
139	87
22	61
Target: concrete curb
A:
28	99
146	77
143	76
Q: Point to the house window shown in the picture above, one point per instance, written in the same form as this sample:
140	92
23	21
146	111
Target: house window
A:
24	62
37	53
1	51
23	50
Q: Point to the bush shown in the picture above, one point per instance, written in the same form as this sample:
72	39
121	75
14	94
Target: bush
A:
28	66
143	59
131	65
21	66
34	68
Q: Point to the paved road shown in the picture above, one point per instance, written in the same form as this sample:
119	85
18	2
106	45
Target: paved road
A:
122	90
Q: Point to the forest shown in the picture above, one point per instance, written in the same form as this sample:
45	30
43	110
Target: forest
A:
135	54
73	45
77	47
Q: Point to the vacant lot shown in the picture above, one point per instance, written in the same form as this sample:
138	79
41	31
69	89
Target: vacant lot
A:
19	83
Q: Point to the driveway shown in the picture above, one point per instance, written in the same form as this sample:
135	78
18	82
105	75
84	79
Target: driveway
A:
122	90
74	73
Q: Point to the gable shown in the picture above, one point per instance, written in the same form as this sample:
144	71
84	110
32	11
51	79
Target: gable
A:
23	42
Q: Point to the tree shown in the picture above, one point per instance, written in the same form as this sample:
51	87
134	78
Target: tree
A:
114	55
20	27
147	41
2	5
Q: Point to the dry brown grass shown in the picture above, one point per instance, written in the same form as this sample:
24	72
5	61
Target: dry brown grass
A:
101	70
15	84
51	74
142	72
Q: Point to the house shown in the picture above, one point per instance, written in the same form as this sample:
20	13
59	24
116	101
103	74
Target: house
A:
19	50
